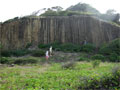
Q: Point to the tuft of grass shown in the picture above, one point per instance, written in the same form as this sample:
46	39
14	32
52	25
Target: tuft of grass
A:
95	63
69	65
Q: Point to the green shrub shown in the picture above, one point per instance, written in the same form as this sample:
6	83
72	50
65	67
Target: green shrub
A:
25	61
88	48
43	46
98	57
96	63
5	60
66	47
116	70
6	53
83	59
113	57
38	53
68	65
18	52
55	45
106	82
28	45
111	47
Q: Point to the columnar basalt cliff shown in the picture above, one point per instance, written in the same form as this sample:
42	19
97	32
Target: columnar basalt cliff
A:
74	29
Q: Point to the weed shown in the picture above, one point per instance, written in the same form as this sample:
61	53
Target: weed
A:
98	57
96	63
68	65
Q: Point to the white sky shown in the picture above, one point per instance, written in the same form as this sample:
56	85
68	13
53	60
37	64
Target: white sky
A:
13	8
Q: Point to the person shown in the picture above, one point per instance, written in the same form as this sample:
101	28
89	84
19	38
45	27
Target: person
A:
50	50
47	55
85	42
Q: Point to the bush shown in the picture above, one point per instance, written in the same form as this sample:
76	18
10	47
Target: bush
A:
66	47
68	65
106	82
98	57
5	60
25	61
111	47
88	48
6	53
28	45
115	70
38	53
113	57
43	46
19	52
83	59
96	63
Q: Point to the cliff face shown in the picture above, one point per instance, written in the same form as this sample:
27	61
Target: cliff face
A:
75	29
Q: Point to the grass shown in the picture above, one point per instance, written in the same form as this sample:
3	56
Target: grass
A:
50	76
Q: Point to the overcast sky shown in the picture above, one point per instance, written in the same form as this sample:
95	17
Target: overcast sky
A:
13	8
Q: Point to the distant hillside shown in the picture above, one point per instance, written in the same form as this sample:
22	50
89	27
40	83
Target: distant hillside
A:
83	7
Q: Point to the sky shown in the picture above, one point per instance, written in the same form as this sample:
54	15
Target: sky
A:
18	8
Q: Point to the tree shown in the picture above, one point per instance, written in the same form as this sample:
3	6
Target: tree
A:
57	8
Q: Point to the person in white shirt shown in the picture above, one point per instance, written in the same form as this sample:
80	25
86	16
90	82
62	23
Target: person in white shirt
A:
47	55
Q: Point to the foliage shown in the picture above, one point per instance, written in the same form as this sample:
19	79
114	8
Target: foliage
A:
114	23
51	76
68	65
115	70
106	82
28	45
38	53
111	47
65	13
113	57
98	57
5	60
95	63
22	61
83	7
66	47
83	59
88	48
19	52
50	13
70	47
6	53
111	50
43	46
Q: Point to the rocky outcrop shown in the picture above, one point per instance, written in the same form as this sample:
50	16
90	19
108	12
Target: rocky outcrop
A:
74	29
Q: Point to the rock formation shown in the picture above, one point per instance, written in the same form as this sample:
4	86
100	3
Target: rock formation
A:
74	29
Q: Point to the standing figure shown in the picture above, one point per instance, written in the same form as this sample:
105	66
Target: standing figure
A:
50	50
47	55
85	42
